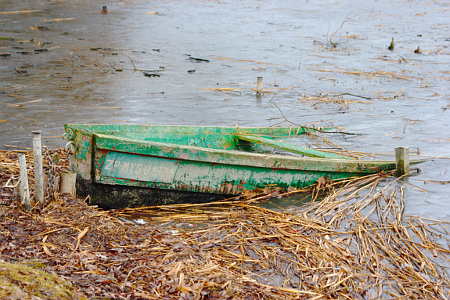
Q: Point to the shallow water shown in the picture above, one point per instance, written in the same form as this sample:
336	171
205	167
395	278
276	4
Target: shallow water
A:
87	74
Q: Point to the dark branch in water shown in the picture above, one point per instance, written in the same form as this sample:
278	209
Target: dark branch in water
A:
368	98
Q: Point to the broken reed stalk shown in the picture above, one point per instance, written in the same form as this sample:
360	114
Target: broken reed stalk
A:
322	142
330	98
368	75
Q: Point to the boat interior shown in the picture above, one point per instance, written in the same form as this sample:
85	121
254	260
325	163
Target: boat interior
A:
253	139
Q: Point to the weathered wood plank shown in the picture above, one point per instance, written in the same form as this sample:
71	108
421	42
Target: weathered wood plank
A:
288	147
275	162
402	160
118	168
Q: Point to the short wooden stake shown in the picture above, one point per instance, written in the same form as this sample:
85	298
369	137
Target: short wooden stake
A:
38	170
259	85
24	192
402	160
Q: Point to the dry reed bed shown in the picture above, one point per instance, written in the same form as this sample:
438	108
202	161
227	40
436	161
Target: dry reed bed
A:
353	244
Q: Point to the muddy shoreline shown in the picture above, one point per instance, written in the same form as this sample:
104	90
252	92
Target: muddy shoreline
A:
229	249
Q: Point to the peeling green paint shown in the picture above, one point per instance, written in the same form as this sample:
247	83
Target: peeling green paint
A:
211	160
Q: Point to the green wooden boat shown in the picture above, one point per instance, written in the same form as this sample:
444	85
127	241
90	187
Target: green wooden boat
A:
139	165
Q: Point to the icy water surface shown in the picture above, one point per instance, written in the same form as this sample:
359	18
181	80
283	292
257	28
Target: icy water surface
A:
69	63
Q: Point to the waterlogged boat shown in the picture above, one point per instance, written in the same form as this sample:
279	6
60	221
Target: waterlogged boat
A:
139	165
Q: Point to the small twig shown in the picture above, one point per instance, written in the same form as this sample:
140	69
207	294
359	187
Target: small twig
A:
126	278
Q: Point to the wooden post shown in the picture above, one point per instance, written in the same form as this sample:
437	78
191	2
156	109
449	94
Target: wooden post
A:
402	160
68	182
38	170
24	192
259	86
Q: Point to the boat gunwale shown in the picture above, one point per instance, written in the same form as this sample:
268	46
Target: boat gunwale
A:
233	129
281	162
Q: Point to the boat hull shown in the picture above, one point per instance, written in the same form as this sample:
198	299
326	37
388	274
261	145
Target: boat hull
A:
121	170
109	196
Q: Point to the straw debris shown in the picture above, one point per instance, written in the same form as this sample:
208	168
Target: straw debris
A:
331	98
367	75
356	243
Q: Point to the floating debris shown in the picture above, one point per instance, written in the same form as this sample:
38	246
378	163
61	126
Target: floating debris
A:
20	71
18	12
42	28
151	74
59	20
198	59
